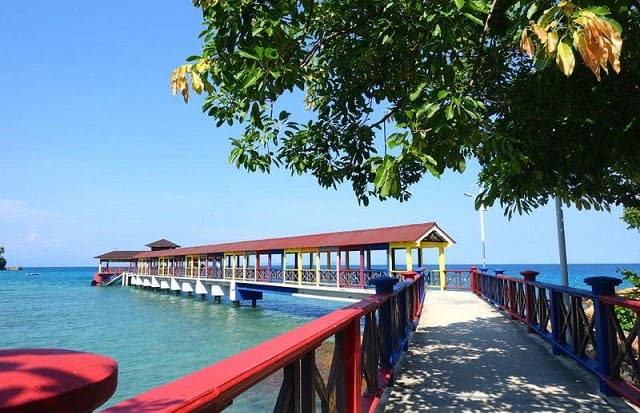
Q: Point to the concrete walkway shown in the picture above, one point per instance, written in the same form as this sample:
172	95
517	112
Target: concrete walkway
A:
467	357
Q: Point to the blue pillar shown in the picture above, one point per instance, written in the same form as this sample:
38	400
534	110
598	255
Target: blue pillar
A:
605	333
557	341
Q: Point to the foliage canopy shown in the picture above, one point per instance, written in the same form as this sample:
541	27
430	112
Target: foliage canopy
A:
494	80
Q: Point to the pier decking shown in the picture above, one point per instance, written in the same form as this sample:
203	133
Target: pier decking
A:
467	356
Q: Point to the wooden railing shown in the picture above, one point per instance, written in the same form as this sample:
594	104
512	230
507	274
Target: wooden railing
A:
361	367
581	324
455	279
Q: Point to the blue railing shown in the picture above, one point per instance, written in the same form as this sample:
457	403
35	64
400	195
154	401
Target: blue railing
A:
584	325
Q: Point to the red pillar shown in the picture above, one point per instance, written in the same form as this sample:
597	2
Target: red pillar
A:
352	370
530	293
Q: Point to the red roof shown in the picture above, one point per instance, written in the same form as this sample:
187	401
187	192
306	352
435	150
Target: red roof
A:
118	255
162	243
405	233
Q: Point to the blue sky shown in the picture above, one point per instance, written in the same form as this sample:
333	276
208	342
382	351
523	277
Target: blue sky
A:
96	154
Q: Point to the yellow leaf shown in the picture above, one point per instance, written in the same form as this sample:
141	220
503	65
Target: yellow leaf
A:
552	43
565	59
539	31
613	58
196	82
174	81
610	32
179	81
526	44
580	43
594	41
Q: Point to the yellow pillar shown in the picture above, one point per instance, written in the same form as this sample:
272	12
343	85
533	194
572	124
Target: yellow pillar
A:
234	260
390	260
409	259
441	264
244	266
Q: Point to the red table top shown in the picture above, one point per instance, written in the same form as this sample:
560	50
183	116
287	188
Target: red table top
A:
52	380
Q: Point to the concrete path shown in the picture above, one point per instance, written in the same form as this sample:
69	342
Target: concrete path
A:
467	357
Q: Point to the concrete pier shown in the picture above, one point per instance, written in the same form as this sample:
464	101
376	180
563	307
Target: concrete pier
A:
468	357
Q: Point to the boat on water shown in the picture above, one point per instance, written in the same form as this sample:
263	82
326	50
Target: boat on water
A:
32	273
14	268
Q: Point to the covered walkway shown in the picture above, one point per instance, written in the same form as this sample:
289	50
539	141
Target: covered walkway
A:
468	357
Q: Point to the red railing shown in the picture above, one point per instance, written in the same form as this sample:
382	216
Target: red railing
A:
361	360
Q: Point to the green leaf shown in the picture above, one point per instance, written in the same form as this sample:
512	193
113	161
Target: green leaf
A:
459	4
612	22
474	19
532	10
479	5
416	93
599	10
257	74
247	55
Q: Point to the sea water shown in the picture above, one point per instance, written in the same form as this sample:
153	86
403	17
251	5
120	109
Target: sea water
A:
156	337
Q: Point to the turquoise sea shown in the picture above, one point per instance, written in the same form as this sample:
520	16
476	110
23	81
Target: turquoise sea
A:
156	337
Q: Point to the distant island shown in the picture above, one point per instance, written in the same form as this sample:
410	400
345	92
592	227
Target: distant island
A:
3	261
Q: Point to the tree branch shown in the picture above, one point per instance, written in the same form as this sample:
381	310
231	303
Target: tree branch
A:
483	36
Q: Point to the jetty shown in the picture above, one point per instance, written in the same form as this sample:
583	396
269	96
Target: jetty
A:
417	339
336	264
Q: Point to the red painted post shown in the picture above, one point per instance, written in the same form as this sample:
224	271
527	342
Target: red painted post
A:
352	371
413	276
530	296
512	298
474	288
256	268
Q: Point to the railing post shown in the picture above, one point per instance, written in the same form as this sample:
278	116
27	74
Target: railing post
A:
530	296
511	285
352	369
384	285
499	287
411	316
556	322
484	287
474	285
605	333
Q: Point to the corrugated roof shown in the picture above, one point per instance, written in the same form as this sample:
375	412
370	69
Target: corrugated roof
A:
403	233
118	255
